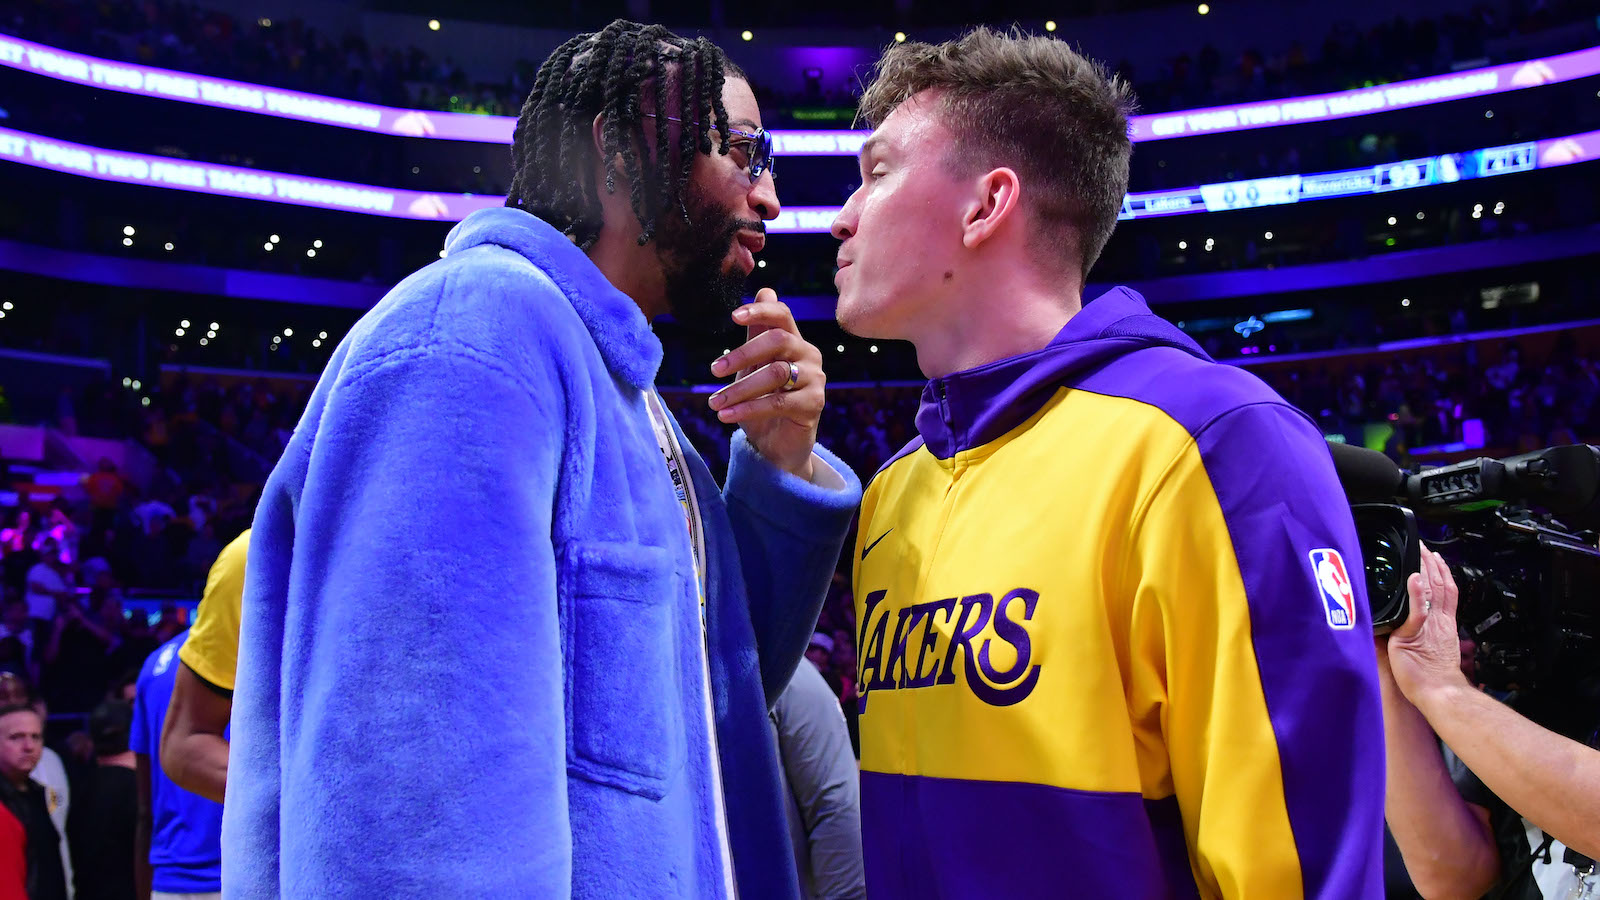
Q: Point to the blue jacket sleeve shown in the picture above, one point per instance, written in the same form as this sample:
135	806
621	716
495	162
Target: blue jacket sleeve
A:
411	586
789	533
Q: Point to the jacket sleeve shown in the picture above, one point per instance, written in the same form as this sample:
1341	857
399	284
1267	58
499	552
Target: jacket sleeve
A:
789	532
1252	662
821	770
411	587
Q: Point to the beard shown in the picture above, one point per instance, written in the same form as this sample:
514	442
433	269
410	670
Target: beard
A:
703	289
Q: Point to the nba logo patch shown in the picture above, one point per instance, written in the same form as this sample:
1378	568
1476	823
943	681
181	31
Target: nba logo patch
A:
1333	582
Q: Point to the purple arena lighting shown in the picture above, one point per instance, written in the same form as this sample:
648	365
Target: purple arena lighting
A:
223	93
233	181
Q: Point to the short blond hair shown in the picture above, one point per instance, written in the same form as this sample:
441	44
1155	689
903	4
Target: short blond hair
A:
1033	104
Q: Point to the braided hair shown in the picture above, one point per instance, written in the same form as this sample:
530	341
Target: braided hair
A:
606	73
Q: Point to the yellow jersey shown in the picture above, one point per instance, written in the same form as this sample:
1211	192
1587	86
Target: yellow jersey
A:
1109	640
212	650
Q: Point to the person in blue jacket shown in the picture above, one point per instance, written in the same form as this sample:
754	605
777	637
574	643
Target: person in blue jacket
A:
179	833
502	633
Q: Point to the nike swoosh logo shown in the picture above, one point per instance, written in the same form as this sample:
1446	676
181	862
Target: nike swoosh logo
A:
874	544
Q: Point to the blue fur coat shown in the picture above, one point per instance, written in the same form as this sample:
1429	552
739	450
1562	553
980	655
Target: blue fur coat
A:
470	656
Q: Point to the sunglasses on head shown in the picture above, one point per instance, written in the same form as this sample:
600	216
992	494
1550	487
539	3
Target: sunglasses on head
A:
756	148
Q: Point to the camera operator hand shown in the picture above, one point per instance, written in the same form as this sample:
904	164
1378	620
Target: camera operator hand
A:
1425	651
1447	844
1548	779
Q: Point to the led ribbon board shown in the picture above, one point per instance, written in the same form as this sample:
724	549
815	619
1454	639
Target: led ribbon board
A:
223	93
234	181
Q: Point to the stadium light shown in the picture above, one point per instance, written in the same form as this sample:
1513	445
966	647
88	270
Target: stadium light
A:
127	230
433	24
1050	25
1205	9
745	35
899	37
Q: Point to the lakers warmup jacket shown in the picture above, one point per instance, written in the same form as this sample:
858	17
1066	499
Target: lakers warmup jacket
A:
1114	638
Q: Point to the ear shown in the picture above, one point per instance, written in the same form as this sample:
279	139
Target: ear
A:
598	136
996	198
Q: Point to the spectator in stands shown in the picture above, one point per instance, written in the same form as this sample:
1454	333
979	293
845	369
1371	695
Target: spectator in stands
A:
50	590
59	527
101	829
820	650
75	673
823	800
132	645
179	851
15	625
106	488
50	773
28	839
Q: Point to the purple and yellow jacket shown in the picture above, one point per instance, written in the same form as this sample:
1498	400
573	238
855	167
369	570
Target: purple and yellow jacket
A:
1114	639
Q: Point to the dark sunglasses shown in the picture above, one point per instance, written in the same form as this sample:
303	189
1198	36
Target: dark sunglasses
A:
756	148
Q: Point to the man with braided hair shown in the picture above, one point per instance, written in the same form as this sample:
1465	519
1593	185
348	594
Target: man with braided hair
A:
568	696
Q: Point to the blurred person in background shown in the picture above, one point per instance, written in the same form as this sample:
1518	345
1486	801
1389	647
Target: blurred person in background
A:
50	586
75	659
26	831
50	772
179	836
105	813
16	625
823	801
106	489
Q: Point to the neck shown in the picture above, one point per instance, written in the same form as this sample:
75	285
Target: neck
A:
631	269
17	779
983	331
124	759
